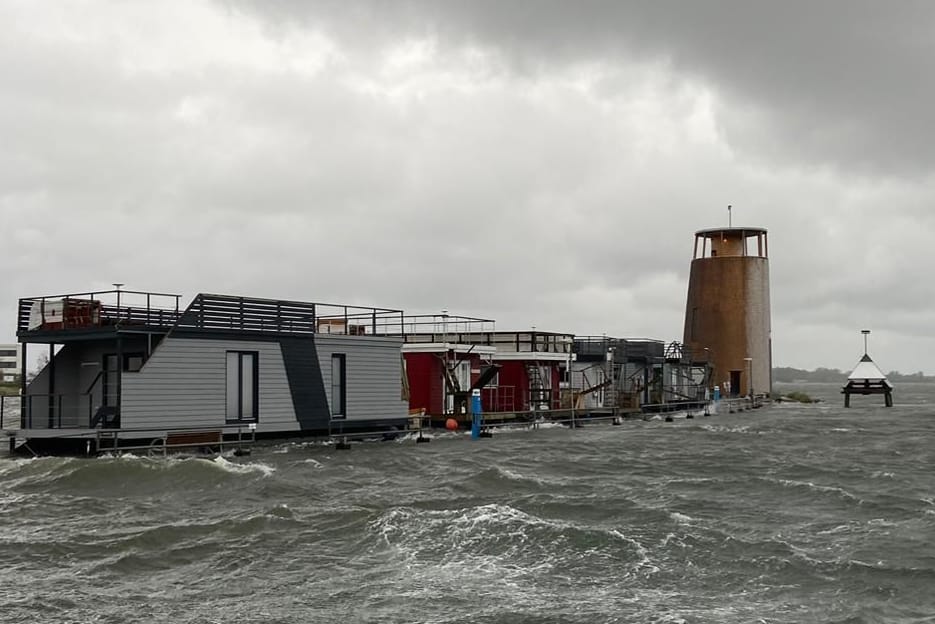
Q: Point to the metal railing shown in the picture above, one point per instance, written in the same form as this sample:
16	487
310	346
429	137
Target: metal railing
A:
504	341
498	399
97	309
175	439
11	407
57	411
123	308
444	327
224	312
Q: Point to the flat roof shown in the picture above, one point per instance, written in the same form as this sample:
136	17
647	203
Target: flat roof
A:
742	231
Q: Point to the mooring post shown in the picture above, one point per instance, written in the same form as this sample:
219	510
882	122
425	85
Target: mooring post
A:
475	413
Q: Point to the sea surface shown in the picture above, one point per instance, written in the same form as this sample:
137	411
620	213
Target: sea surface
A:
791	513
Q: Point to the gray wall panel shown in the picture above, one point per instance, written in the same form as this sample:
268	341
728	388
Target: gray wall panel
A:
184	384
373	372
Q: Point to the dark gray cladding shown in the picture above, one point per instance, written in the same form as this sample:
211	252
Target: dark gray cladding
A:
305	382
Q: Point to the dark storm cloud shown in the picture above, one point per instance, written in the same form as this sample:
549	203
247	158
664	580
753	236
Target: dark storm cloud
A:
539	163
842	84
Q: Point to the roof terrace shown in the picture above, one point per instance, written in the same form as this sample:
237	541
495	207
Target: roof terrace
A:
83	315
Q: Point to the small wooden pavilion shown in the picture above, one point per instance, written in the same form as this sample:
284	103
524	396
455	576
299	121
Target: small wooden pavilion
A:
867	378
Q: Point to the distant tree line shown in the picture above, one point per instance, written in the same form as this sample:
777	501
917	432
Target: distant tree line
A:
833	375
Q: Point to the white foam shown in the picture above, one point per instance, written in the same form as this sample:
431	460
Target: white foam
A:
644	564
237	468
680	517
819	488
414	435
728	429
515	476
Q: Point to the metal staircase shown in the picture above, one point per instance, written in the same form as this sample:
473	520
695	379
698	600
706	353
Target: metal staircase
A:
538	392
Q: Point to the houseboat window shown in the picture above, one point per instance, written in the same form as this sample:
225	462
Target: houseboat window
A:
132	362
242	385
338	386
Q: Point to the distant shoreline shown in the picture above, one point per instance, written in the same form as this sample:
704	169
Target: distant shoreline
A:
834	375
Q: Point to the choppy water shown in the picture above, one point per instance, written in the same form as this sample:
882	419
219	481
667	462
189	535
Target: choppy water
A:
787	514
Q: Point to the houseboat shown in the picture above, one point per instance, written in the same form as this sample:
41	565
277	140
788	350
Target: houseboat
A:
605	377
516	373
442	370
531	369
627	375
129	367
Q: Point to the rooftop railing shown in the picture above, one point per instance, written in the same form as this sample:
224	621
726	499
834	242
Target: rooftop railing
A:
250	314
97	309
445	327
506	341
126	309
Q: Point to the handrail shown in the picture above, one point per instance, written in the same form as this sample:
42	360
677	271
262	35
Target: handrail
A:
97	309
205	312
4	401
56	410
93	293
93	383
251	314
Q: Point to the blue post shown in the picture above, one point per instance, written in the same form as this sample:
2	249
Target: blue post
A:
475	414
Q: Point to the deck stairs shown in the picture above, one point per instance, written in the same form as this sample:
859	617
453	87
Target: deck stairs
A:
538	392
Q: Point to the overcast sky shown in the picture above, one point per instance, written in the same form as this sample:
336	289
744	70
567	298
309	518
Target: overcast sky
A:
541	163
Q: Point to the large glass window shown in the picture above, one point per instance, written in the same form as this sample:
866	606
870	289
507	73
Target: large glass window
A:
338	386
242	385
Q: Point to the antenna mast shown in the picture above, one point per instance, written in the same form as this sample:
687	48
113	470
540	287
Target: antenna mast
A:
729	219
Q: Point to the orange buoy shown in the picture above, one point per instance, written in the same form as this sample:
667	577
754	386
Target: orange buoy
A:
451	424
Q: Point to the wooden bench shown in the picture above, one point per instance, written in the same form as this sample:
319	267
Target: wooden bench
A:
193	438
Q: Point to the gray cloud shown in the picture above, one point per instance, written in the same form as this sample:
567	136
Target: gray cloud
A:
837	83
543	164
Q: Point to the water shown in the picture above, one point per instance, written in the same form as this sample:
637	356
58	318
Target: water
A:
786	514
